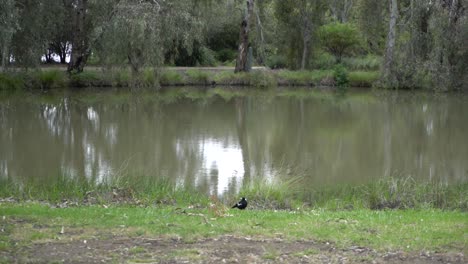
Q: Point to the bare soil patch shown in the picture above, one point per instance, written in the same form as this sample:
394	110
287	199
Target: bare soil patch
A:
224	249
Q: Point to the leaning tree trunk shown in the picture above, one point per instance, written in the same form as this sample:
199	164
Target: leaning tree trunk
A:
391	37
306	35
80	44
241	62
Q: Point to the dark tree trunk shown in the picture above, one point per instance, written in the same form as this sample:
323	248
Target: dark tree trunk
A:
241	62
80	43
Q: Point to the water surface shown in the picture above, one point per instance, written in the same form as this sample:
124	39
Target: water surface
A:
218	139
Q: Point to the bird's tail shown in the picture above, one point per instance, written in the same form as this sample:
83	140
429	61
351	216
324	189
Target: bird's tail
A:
235	206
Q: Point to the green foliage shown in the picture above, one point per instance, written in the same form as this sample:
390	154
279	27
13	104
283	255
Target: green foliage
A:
50	79
276	61
149	78
170	78
340	75
367	63
84	79
302	78
255	78
11	81
198	77
323	60
338	38
362	78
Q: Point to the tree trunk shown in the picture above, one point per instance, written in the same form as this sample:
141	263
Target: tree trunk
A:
5	55
241	62
80	44
391	37
306	43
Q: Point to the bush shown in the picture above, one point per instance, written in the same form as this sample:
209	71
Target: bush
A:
276	62
340	75
338	38
224	55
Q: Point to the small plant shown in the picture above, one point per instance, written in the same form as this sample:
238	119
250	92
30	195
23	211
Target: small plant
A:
340	76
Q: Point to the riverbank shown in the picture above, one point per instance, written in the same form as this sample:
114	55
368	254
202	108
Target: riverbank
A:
36	232
56	77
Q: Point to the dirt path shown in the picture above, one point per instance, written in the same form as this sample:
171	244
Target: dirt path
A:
225	249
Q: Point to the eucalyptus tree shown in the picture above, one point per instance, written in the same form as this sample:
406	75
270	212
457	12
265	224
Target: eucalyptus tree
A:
370	20
341	9
298	21
31	38
391	39
8	27
241	62
139	33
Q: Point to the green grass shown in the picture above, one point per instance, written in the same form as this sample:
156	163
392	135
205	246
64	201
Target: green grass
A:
171	78
408	230
198	76
50	79
282	193
367	63
12	81
303	78
362	78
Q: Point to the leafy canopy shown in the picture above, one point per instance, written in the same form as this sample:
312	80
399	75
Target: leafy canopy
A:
338	38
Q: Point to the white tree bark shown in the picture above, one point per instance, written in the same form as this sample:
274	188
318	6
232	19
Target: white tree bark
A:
391	38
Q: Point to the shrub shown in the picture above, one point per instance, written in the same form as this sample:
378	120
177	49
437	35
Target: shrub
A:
276	62
340	75
338	38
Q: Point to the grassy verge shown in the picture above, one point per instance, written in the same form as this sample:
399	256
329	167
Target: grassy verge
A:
408	230
97	77
292	193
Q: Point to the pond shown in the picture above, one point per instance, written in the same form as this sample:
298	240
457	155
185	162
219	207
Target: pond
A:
217	139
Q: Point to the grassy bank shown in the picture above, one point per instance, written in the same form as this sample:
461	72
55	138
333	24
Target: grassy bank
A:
97	77
388	193
408	230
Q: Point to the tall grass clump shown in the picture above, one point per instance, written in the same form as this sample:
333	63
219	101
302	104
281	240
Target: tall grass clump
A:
392	193
85	79
11	81
367	63
198	77
170	78
362	78
267	193
262	79
149	77
302	78
50	79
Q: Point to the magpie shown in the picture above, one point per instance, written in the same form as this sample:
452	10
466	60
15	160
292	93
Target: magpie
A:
242	204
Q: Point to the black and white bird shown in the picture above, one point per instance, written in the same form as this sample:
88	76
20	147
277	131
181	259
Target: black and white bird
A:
242	204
